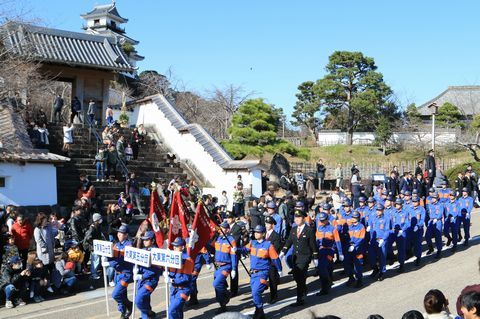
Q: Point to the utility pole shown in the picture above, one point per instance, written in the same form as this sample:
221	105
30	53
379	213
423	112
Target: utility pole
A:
433	108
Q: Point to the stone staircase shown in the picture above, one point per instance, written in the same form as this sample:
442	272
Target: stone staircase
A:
152	164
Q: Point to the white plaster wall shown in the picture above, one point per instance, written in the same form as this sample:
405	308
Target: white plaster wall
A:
335	138
28	185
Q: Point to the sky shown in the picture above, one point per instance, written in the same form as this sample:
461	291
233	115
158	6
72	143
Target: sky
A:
270	47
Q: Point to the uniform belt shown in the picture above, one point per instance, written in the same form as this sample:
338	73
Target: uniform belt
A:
177	286
254	271
325	247
219	264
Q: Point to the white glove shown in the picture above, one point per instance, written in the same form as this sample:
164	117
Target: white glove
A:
104	259
368	228
105	264
282	255
467	216
233	274
137	277
415	229
341	257
280	274
351	248
434	221
209	266
135	270
452	220
400	232
234	249
381	242
315	262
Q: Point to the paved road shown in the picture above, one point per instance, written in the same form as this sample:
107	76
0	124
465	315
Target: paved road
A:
391	298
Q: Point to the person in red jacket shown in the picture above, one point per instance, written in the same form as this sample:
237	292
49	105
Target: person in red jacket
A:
22	231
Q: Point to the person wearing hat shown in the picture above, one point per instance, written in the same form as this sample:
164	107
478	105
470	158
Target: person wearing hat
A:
181	281
123	272
430	167
391	184
94	232
262	257
434	225
416	216
13	280
326	237
362	207
354	252
279	224
236	233
226	262
302	239
428	200
272	236
452	220
380	230
466	205
459	184
344	219
419	186
369	214
399	233
146	279
406	183
443	193
407	200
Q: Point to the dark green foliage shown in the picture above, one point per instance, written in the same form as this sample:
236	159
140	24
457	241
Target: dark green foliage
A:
449	116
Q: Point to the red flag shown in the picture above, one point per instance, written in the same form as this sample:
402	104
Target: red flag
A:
178	219
203	229
157	214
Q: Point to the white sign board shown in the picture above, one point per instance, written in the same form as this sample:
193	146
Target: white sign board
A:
167	258
137	256
103	248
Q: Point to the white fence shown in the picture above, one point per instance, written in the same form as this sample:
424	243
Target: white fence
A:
443	137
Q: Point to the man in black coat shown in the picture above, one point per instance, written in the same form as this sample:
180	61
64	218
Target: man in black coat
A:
302	238
273	275
419	185
419	168
236	233
391	184
320	174
459	184
430	167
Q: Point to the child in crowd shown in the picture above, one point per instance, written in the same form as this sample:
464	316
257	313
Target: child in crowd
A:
99	165
63	276
223	202
75	255
38	276
12	281
9	250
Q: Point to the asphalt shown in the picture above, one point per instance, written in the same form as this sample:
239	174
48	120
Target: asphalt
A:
391	298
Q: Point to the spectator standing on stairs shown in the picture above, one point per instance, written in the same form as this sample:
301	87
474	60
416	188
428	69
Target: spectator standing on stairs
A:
92	108
109	116
111	162
57	109
133	190
135	142
76	109
99	165
121	148
67	137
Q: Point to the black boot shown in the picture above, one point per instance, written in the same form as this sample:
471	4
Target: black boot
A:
193	300
351	281
380	277
374	272
151	315
358	284
438	255
454	248
417	262
128	311
465	243
259	314
449	241
401	269
222	309
430	250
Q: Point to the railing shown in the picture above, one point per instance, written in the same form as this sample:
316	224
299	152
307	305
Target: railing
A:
99	140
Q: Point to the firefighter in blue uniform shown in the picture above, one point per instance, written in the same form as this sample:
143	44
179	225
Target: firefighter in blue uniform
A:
262	255
362	207
380	230
203	258
443	193
147	280
355	252
181	281
435	225
389	212
400	225
326	237
452	220
466	205
416	216
226	261
407	200
123	272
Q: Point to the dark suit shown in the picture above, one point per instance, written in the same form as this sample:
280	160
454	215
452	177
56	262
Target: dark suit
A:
392	186
274	278
419	185
459	184
431	169
304	249
236	233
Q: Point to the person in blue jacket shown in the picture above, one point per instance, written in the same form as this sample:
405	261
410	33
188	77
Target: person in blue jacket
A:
203	258
226	261
355	251
181	281
466	206
435	225
416	216
147	280
452	220
123	272
400	225
262	255
380	230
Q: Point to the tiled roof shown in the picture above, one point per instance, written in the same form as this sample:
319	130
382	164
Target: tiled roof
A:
16	144
466	98
103	10
65	47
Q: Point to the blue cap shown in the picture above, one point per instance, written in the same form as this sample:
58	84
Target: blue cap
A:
465	189
123	229
326	206
399	201
380	207
271	204
322	216
402	192
14	259
300	204
148	235
390	198
225	225
434	195
452	193
371	200
362	199
347	203
408	193
385	192
179	241
431	190
443	183
259	229
356	215
415	199
415	191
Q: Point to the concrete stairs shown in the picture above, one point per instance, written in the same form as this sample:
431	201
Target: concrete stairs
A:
152	164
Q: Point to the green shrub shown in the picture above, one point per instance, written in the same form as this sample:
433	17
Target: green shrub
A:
452	173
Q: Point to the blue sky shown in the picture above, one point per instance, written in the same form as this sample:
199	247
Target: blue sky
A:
270	47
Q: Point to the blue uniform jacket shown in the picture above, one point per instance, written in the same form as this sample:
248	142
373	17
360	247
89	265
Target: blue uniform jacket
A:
435	211
117	261
182	277
466	203
357	236
452	210
416	216
151	273
261	255
327	236
224	253
381	227
400	222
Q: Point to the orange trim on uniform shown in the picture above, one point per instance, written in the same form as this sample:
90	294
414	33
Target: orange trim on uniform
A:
263	281
123	283
149	288
272	252
225	273
184	296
